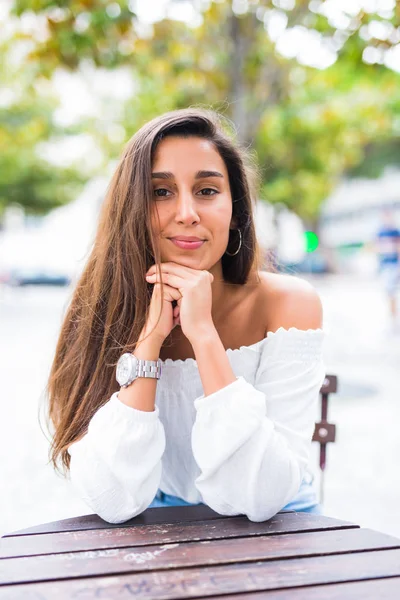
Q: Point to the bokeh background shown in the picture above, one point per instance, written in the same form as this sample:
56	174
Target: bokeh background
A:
313	90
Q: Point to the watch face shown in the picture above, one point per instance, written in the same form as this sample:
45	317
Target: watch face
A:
125	367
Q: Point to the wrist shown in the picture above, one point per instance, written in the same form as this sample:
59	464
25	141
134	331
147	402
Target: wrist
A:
204	334
148	348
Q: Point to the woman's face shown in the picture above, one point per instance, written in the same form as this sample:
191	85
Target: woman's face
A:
192	208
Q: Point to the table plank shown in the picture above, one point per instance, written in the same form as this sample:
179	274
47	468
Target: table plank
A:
220	580
384	589
141	535
173	556
151	516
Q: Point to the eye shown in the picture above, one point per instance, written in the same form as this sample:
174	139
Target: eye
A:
161	192
208	192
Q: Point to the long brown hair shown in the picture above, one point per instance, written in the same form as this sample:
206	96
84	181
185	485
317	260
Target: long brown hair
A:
109	305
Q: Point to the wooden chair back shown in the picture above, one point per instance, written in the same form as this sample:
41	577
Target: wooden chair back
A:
325	432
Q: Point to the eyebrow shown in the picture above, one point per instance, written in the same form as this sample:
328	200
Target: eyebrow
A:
199	175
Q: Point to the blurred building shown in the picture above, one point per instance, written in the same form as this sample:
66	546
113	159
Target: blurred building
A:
351	216
55	246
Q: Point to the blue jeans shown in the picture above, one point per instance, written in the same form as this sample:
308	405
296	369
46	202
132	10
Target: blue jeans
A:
305	500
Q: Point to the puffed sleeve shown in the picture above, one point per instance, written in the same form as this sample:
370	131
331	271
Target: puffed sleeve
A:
252	442
116	466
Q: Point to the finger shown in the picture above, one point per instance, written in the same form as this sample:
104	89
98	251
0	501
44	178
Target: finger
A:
186	273
170	293
170	267
169	278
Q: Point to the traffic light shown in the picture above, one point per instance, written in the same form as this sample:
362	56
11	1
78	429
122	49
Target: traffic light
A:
311	241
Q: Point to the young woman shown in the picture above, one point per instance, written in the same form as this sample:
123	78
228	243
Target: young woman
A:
219	365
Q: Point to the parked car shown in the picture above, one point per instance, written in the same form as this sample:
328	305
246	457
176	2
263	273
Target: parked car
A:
313	262
23	277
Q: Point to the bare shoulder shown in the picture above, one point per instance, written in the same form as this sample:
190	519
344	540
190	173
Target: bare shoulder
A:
289	301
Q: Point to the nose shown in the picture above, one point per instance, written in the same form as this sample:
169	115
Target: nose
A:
185	211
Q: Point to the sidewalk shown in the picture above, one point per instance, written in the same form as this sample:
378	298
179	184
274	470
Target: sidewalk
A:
362	481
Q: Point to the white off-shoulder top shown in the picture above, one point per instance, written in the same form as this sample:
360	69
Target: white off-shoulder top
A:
242	450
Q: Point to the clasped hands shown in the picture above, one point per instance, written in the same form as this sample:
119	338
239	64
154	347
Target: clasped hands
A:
191	289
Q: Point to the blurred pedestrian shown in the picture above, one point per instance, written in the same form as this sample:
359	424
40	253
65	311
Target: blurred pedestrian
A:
388	251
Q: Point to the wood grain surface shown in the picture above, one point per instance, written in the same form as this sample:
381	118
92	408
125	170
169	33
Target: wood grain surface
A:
166	533
293	556
219	580
190	554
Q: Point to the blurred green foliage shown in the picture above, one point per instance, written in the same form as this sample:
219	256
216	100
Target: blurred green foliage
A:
25	122
307	126
80	29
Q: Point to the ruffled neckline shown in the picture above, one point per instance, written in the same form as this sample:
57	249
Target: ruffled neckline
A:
280	332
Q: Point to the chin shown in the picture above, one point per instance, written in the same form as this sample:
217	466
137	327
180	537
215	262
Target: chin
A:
188	261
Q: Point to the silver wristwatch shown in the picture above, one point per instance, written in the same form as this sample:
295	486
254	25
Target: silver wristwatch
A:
130	368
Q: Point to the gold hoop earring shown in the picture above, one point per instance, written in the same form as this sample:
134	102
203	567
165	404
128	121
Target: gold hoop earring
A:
240	245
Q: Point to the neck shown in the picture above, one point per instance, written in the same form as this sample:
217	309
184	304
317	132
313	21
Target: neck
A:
220	290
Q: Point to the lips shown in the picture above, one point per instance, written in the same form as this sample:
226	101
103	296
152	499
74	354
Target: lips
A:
187	242
185	238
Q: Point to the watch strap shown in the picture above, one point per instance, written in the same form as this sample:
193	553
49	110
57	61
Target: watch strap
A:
148	368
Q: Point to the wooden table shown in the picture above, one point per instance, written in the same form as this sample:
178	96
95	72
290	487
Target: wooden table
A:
192	552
